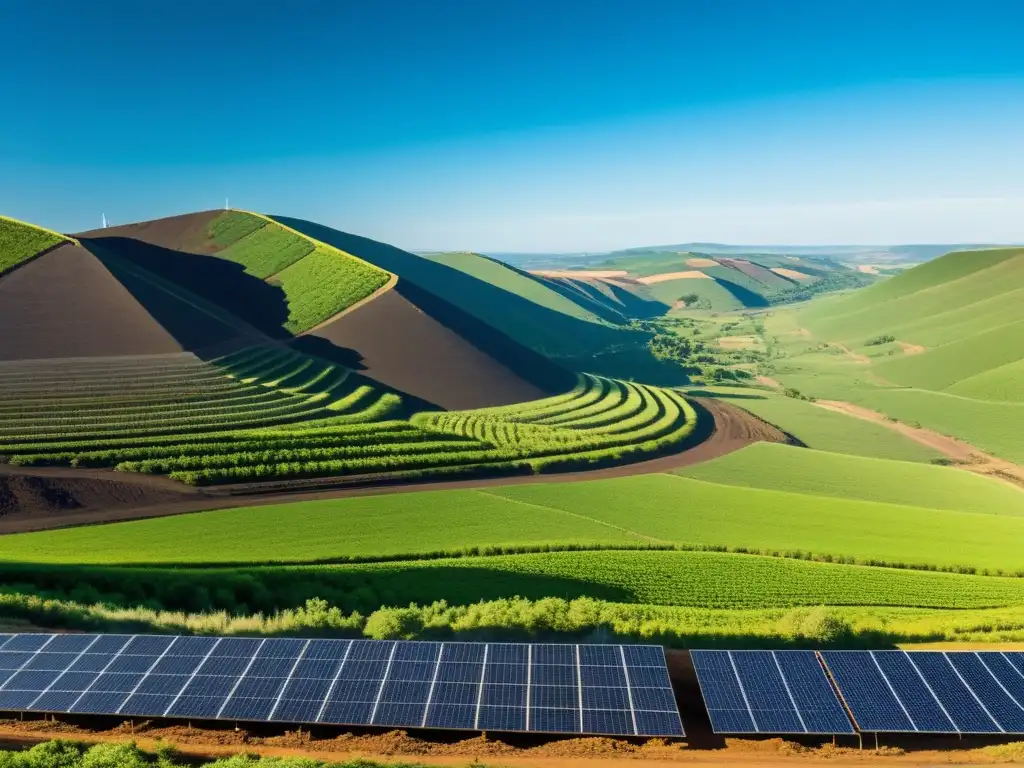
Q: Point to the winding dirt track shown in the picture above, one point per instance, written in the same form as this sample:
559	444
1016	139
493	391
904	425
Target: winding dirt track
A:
56	497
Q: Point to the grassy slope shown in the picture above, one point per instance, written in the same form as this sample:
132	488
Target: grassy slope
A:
658	509
697	579
373	526
711	291
318	280
786	468
20	241
1002	383
992	426
511	280
822	429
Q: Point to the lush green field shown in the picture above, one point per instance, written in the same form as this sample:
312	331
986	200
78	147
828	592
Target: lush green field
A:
324	283
710	293
20	241
991	426
787	468
265	251
659	510
822	429
1002	383
268	413
693	579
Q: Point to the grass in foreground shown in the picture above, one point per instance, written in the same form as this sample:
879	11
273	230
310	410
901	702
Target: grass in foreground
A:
800	470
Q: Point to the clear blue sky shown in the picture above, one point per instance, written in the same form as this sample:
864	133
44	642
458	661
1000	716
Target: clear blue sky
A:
524	124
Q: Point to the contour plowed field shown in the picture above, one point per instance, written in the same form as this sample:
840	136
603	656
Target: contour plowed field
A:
67	303
401	346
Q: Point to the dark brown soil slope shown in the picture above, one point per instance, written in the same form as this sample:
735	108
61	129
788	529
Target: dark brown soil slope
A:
69	303
395	342
179	233
44	493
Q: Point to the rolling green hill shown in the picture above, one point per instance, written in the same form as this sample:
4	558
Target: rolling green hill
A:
786	468
955	346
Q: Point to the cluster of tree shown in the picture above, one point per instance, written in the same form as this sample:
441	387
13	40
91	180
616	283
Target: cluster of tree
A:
833	281
887	338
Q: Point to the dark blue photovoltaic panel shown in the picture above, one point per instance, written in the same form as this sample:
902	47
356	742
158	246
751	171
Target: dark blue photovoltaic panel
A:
998	701
924	711
768	692
942	692
867	692
722	693
771	707
556	688
964	709
816	700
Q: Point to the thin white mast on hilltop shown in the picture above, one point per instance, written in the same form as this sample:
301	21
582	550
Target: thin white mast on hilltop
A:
226	206
104	221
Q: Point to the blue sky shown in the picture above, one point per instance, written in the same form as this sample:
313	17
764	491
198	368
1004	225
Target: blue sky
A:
524	125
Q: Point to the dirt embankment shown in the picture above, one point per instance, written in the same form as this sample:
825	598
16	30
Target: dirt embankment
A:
51	493
105	497
911	349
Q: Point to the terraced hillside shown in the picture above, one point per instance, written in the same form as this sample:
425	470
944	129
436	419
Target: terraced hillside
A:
269	413
939	346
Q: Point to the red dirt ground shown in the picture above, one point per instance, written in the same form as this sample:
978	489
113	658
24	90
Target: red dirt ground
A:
405	348
67	304
105	497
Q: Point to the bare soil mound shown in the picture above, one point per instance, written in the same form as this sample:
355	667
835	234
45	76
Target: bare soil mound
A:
394	341
68	303
180	233
30	493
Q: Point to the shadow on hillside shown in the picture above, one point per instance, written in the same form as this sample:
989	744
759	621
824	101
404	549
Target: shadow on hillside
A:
223	283
743	295
463	301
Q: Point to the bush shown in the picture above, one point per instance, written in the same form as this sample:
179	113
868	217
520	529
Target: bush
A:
887	338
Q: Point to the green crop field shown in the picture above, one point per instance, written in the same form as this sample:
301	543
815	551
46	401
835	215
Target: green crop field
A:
267	413
694	579
267	250
656	510
20	241
800	470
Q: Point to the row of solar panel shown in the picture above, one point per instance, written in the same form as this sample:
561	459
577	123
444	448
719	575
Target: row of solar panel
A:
885	691
768	692
931	691
599	689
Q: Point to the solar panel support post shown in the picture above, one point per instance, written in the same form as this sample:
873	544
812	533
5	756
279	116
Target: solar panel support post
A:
876	741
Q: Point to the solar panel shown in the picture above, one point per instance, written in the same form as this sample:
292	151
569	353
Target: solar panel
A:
768	692
556	688
931	691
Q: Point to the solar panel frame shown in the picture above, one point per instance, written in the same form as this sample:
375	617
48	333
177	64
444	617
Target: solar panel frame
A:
751	692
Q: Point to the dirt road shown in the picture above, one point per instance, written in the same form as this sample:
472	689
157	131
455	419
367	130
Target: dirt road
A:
93	496
964	454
